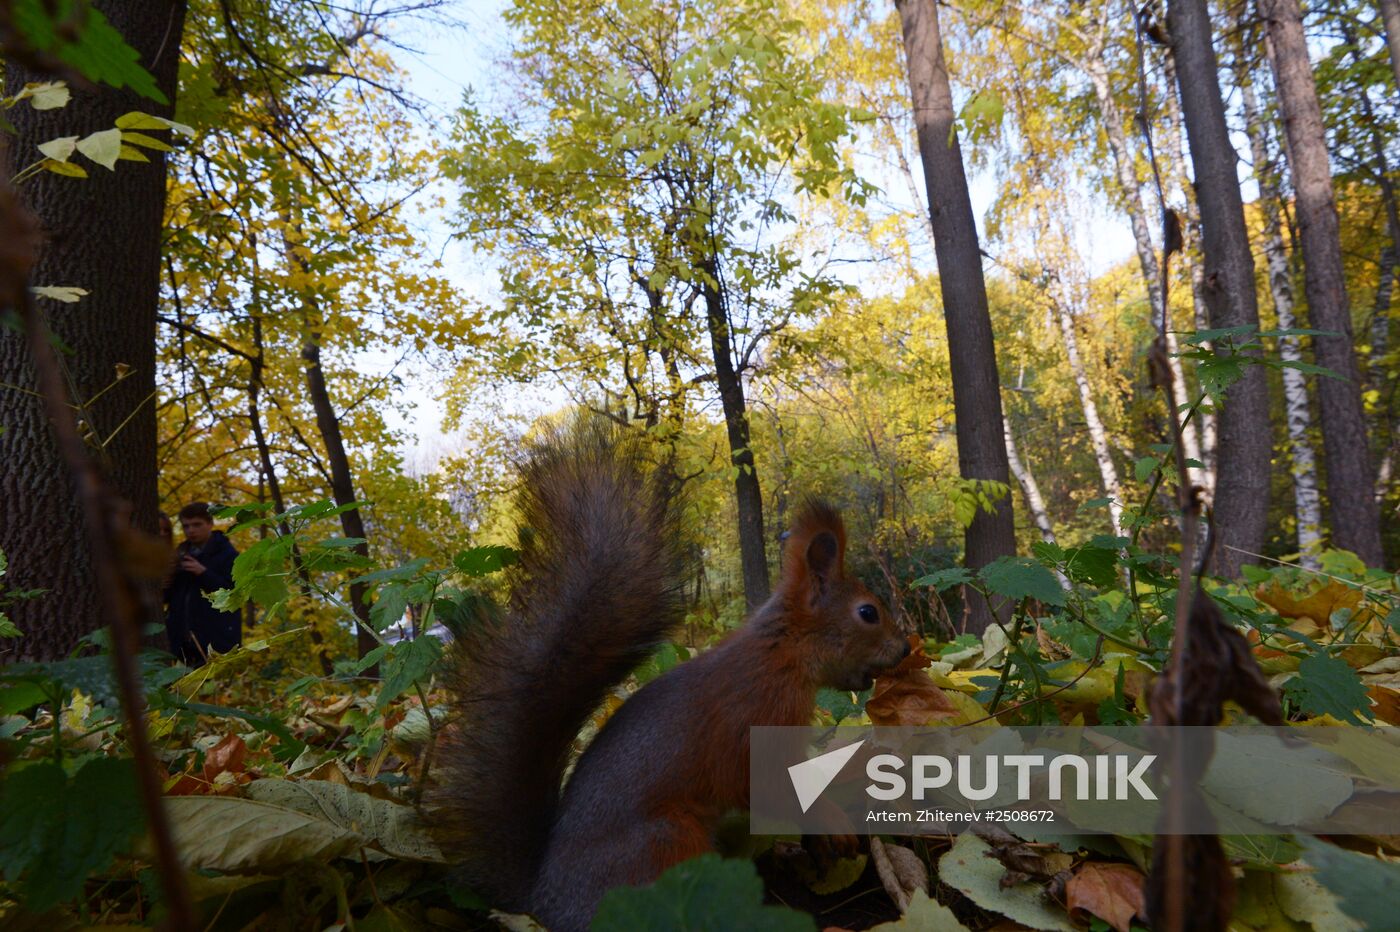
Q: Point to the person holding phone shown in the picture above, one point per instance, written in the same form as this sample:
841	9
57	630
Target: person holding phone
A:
203	563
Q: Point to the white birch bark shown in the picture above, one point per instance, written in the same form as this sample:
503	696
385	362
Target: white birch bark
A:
1029	487
1063	304
1307	502
1126	175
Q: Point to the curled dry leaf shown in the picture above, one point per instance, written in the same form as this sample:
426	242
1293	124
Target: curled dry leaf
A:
1024	861
907	696
900	869
1113	892
1216	666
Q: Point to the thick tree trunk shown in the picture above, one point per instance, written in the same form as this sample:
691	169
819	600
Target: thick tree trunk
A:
981	431
102	233
748	497
1244	444
1390	11
1307	506
1354	517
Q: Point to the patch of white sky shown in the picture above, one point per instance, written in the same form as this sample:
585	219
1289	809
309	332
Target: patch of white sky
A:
467	49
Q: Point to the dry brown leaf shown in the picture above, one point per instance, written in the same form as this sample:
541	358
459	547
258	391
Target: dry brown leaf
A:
1113	892
1317	605
226	756
907	696
900	869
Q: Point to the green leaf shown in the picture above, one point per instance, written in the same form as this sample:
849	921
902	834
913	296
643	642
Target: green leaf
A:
945	578
21	697
702	894
138	120
96	49
8	629
482	561
389	607
839	704
407	663
1097	566
1020	578
1327	686
1218	373
60	830
149	142
1365	887
64	168
260	575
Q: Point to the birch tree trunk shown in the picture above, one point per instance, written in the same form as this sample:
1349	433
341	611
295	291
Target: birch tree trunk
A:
1354	517
1307	505
1029	487
1098	436
1204	421
981	431
1126	174
1244	446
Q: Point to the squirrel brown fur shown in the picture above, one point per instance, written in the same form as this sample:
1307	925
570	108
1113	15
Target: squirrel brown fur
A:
595	592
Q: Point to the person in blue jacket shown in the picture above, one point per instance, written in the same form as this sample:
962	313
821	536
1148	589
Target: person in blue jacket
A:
203	564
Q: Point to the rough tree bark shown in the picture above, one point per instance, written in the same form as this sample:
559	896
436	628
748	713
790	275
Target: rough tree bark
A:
981	430
748	497
1307	505
102	233
1355	520
1244	445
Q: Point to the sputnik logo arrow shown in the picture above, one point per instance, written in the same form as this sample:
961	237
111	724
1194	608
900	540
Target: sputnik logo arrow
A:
811	777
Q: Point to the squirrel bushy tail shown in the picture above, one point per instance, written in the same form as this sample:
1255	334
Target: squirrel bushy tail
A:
595	591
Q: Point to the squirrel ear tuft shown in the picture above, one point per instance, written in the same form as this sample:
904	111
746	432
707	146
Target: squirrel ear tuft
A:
823	554
816	547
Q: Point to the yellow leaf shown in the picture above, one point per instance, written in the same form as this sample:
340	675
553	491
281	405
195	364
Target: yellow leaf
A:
149	142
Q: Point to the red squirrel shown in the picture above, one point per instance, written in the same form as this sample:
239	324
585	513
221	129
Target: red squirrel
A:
595	591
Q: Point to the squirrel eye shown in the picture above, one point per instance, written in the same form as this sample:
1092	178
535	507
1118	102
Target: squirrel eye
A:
868	613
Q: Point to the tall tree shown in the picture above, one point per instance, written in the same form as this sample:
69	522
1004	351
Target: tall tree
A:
981	429
101	233
638	225
1307	504
1351	500
1390	12
1241	498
